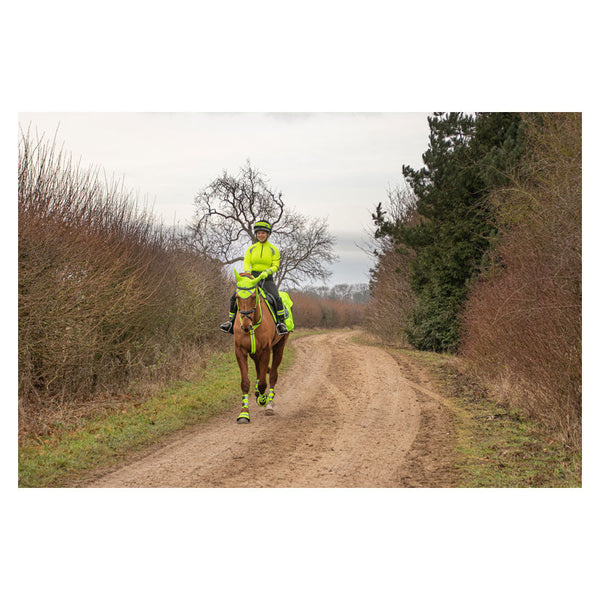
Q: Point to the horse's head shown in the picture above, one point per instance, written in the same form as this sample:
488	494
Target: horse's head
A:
247	299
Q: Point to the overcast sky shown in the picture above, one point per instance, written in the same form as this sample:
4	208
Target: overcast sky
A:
333	165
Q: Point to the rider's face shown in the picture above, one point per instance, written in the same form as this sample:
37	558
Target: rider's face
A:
262	235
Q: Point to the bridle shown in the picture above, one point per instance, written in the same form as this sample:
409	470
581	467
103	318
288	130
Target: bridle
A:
249	314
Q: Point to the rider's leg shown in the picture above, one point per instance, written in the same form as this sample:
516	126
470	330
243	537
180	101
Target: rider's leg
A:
269	286
281	326
227	327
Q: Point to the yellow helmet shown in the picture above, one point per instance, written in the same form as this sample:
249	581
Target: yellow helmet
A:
262	226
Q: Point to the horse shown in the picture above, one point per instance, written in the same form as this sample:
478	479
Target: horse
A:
255	334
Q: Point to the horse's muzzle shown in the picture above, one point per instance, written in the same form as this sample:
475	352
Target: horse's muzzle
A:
246	315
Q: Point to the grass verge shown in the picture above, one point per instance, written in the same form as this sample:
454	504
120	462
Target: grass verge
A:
57	460
497	447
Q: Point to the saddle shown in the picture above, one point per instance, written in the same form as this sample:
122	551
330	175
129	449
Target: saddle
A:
269	298
287	303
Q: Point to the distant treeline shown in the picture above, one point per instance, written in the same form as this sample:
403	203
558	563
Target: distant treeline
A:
341	305
346	292
481	254
314	311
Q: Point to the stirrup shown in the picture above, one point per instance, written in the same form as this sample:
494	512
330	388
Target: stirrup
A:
227	327
282	329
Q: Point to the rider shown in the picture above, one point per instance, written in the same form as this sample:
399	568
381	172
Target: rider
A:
262	260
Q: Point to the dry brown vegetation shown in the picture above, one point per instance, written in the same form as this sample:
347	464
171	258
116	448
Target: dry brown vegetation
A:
522	325
106	295
392	298
317	312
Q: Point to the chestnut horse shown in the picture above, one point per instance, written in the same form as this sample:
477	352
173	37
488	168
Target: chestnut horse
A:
255	334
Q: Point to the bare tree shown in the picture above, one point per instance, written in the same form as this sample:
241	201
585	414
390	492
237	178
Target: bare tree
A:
226	211
392	299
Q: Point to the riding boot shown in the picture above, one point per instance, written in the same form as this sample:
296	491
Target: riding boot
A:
227	327
281	327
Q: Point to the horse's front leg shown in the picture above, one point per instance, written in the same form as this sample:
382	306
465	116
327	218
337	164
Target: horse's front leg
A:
242	358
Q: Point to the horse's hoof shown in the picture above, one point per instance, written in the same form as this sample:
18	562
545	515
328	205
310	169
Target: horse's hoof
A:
244	417
261	400
270	410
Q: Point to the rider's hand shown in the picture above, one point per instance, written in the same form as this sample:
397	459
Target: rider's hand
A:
264	275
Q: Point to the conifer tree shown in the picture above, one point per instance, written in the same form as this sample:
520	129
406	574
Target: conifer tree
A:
467	155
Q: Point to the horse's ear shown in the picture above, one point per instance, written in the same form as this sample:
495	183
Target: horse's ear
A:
237	276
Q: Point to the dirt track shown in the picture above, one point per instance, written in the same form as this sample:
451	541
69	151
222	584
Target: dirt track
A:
346	415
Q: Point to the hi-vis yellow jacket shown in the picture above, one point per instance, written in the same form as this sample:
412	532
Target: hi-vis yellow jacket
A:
262	257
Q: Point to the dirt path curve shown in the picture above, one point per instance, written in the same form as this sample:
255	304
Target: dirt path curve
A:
345	416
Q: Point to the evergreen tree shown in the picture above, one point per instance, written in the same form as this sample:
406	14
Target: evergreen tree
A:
467	155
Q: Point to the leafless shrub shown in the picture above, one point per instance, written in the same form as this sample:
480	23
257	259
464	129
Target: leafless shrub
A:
522	325
106	295
392	298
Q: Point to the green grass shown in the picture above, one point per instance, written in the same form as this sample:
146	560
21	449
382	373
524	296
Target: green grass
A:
497	446
57	460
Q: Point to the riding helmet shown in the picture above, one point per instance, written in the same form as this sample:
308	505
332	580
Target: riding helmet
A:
262	226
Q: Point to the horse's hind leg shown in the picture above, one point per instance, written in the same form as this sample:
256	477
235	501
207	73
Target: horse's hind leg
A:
257	367
242	358
274	374
277	357
262	368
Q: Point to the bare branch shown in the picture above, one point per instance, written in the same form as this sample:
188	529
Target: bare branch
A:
226	211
